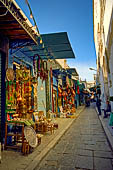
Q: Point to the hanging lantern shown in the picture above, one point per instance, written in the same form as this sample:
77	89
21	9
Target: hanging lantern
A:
31	16
40	40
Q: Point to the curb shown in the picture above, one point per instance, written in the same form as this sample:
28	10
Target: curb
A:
39	157
107	132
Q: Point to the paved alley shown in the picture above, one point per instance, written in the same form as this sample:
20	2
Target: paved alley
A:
14	160
83	146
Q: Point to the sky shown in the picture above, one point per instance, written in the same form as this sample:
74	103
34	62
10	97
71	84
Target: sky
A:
74	17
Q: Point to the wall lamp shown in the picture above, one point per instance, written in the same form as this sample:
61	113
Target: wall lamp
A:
92	69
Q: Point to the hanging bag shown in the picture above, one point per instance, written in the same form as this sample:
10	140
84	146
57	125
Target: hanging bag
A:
111	119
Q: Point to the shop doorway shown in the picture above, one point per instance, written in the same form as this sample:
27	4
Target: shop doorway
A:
2	95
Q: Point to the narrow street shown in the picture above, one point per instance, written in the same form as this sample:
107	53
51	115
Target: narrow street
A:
83	146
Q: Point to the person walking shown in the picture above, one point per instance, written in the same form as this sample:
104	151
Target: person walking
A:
98	104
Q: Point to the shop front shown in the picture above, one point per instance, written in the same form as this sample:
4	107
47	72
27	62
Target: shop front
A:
16	80
21	97
66	95
69	100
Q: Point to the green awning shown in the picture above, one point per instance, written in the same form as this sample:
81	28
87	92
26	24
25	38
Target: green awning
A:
56	46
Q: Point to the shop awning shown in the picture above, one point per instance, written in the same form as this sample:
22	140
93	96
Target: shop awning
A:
14	24
58	72
56	46
72	71
66	72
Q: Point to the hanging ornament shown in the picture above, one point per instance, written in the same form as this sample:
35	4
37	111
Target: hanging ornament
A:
67	86
73	92
10	74
68	91
8	117
59	90
78	90
64	93
72	99
59	94
65	98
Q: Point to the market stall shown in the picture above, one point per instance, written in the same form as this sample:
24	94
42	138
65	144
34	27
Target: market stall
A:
66	97
20	90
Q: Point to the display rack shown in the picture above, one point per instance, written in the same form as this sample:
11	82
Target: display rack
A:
16	134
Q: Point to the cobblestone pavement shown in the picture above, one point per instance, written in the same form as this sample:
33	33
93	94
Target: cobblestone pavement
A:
83	146
14	160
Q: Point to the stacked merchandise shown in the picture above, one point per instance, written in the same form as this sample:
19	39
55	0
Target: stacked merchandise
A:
68	97
19	95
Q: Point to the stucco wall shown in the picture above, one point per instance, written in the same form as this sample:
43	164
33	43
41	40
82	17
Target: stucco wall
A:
111	73
96	21
107	17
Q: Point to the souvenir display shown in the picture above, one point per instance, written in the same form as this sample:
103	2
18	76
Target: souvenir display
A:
20	93
59	91
10	74
67	94
21	101
35	97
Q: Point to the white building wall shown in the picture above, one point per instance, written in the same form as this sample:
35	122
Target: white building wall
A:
111	73
96	22
104	38
107	17
61	62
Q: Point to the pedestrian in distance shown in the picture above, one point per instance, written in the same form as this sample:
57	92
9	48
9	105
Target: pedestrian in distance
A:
98	104
108	109
87	101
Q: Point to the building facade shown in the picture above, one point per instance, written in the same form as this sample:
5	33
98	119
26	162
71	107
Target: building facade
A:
103	38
